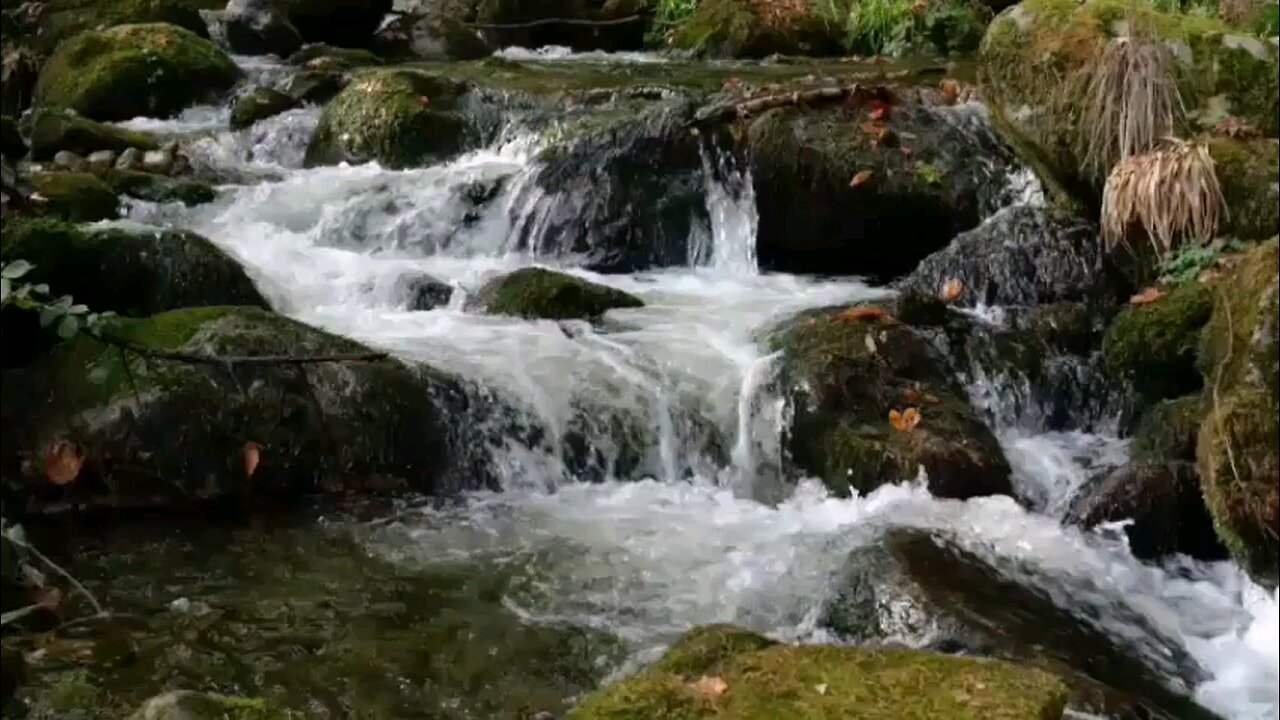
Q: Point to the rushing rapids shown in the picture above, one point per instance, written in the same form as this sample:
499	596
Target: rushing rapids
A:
672	413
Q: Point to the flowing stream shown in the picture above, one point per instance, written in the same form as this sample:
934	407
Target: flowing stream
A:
688	519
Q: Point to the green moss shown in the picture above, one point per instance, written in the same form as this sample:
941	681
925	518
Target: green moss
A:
76	196
1232	349
183	705
130	70
67	18
732	28
702	650
347	57
74	695
259	104
159	188
381	116
1249	172
811	682
54	129
1168	430
1154	345
541	293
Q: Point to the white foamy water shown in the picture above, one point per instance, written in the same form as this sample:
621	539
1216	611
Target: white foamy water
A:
678	537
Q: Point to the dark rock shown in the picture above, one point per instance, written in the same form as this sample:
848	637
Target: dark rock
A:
539	293
815	219
430	37
257	27
1168	430
76	196
258	104
346	23
1022	255
423	292
159	188
315	86
130	159
19	70
1163	501
12	145
843	375
1153	346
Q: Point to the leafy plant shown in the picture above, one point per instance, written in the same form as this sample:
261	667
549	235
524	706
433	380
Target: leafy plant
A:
669	15
1187	265
63	315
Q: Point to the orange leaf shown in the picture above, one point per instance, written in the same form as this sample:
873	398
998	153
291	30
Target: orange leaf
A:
862	314
62	463
710	687
860	179
1146	297
878	114
950	90
951	290
904	421
252	453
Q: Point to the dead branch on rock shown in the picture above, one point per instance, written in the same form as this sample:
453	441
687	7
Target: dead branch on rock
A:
554	21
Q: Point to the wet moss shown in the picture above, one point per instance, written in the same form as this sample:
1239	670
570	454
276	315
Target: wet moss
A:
76	196
540	293
126	71
67	18
702	650
259	104
819	682
1154	346
1239	342
1249	171
1168	430
54	129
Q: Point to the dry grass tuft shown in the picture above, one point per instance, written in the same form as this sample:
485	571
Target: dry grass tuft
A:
1131	102
1172	194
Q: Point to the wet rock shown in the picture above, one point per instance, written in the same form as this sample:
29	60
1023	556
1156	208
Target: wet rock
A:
156	434
433	36
54	129
126	71
75	196
130	159
1153	346
187	705
625	32
400	118
101	160
764	679
134	273
1168	430
67	19
257	27
345	23
1249	171
258	104
622	191
1022	255
315	86
159	162
815	218
423	292
12	144
1238	447
342	58
67	160
540	293
844	374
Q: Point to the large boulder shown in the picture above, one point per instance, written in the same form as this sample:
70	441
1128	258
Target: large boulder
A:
844	371
346	23
1022	255
399	118
1036	55
258	104
1238	450
1153	346
733	674
551	295
54	129
255	27
126	71
840	192
68	18
152	424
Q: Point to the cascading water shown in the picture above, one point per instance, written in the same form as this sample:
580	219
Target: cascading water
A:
689	521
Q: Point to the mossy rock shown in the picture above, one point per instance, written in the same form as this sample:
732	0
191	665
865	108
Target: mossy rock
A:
67	18
159	188
1239	343
1153	346
75	196
345	23
1035	52
1168	430
786	681
126	71
735	28
187	705
382	116
540	293
1249	172
54	129
815	219
347	58
158	432
845	375
12	145
130	272
259	104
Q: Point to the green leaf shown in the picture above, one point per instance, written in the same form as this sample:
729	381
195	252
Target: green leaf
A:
49	314
77	309
6	287
63	303
98	375
69	326
16	269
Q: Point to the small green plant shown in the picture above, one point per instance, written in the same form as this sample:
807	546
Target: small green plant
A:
1187	265
900	27
63	315
881	27
669	15
929	173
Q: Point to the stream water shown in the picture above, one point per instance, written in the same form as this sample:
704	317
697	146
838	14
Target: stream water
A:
701	528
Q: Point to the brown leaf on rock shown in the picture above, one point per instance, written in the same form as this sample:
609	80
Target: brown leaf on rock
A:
950	89
252	454
1146	297
710	687
862	314
905	420
951	290
62	462
861	178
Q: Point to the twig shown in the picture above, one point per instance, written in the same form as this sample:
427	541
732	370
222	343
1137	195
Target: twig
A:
553	21
231	360
754	106
58	569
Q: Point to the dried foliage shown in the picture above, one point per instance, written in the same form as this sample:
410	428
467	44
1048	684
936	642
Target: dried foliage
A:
1172	195
1131	102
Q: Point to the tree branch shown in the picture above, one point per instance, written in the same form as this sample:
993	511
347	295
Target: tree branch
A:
553	21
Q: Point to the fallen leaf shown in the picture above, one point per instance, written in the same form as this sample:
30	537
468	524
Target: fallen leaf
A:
1147	296
862	314
904	421
860	179
951	290
426	101
62	463
820	688
710	687
950	89
252	453
878	114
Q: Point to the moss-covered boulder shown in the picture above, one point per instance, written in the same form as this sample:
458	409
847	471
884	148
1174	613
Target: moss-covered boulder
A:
259	104
159	188
736	28
541	293
187	705
733	674
1249	172
1153	346
399	118
1036	55
54	129
324	54
1168	430
75	196
130	272
844	372
67	18
346	23
154	431
1238	450
837	194
126	71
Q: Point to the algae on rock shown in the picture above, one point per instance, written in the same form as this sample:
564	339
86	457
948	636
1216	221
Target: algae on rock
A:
541	293
1154	346
54	129
76	196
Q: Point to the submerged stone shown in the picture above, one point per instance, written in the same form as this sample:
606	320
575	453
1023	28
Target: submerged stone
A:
547	294
259	104
55	129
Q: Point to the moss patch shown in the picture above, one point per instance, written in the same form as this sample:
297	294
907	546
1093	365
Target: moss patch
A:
541	293
130	70
783	681
67	18
76	196
54	129
1168	430
259	104
1154	346
1249	171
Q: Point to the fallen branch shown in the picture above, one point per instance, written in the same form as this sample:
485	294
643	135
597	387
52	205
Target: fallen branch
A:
231	360
726	112
554	21
97	608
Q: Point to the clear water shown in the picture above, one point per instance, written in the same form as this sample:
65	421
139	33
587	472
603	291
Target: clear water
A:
684	538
